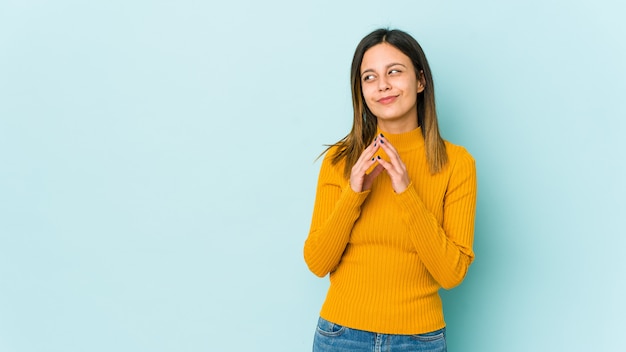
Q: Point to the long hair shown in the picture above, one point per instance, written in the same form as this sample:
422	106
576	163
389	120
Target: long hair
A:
364	122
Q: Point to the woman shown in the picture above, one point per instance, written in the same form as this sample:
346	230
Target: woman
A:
393	220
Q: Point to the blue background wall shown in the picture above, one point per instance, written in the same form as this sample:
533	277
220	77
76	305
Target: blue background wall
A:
157	168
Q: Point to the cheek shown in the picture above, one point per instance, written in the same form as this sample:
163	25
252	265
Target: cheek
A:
368	92
410	87
368	98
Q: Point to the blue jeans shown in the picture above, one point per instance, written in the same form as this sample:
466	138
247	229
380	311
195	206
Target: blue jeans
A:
330	337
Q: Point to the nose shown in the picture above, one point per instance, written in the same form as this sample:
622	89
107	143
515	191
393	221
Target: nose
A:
383	84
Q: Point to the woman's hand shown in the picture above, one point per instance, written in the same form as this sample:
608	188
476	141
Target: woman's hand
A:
360	180
395	167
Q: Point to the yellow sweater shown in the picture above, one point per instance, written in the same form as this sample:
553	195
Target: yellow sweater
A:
389	254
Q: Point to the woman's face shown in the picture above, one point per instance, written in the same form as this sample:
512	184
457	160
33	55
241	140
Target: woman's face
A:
390	87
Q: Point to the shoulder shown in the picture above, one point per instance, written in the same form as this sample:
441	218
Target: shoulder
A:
329	155
332	171
459	157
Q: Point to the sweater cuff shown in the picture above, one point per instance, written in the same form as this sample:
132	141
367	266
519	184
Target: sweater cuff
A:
410	200
352	199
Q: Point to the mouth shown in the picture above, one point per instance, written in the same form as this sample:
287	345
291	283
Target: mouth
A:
387	100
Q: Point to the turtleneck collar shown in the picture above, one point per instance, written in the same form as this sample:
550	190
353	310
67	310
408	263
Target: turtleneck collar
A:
405	141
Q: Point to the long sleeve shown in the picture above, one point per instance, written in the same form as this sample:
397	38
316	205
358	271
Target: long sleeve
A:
445	250
336	209
389	254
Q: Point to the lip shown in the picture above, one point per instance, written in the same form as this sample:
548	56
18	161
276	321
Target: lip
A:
387	100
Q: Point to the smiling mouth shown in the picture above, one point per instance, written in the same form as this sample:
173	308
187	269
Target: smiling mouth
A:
387	100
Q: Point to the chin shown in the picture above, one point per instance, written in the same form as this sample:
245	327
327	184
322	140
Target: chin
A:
388	117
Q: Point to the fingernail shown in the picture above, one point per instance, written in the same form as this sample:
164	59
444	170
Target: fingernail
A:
379	157
381	135
372	158
382	142
374	144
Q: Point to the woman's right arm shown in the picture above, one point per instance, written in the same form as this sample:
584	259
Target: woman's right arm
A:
337	207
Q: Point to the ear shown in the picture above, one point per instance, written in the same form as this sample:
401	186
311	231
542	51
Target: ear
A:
421	82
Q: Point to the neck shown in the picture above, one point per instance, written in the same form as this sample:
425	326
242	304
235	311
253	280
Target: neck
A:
397	127
404	141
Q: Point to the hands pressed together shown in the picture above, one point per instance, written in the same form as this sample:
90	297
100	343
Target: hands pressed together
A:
361	181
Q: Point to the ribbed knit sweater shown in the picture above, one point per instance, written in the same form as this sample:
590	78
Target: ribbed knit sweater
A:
388	253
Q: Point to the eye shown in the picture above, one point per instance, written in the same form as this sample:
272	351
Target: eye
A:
393	71
368	78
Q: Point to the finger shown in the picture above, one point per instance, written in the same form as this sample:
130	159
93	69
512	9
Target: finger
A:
390	150
399	178
384	141
391	170
394	156
377	170
359	169
394	165
369	151
367	155
369	178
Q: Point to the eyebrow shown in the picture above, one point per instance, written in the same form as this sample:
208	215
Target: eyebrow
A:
386	67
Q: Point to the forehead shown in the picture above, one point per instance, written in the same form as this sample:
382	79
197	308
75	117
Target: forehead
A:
382	55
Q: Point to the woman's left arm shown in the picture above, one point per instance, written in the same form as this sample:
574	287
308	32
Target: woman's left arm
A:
445	248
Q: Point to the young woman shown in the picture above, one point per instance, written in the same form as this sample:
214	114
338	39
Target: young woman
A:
393	220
